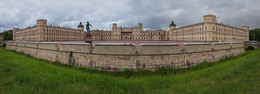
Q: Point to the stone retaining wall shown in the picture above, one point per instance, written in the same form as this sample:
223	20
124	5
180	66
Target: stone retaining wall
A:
116	56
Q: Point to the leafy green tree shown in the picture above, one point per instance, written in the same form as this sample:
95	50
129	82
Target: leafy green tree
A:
7	35
254	34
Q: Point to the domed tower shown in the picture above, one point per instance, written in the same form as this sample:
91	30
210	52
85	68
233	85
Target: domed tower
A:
209	18
81	28
172	26
41	22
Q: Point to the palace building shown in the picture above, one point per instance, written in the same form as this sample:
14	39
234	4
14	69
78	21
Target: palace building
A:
43	32
208	30
129	33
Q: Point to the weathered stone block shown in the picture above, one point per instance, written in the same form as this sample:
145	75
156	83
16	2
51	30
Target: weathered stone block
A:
75	47
220	46
151	48
197	47
48	45
114	48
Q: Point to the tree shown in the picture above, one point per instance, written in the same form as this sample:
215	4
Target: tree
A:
254	34
7	35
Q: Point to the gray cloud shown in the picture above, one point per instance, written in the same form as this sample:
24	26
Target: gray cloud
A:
154	14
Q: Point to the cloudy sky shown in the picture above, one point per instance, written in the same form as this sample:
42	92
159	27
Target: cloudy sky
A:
154	14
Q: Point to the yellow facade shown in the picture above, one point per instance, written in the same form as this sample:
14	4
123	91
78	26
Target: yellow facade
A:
44	32
129	33
209	30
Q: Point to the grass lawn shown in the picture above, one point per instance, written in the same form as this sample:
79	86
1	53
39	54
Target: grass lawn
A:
21	74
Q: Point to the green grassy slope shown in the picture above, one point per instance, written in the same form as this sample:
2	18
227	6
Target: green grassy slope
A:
22	74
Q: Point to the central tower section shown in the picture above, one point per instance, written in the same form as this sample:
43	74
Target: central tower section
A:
127	33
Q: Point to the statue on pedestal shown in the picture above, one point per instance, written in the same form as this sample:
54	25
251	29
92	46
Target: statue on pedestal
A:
87	26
